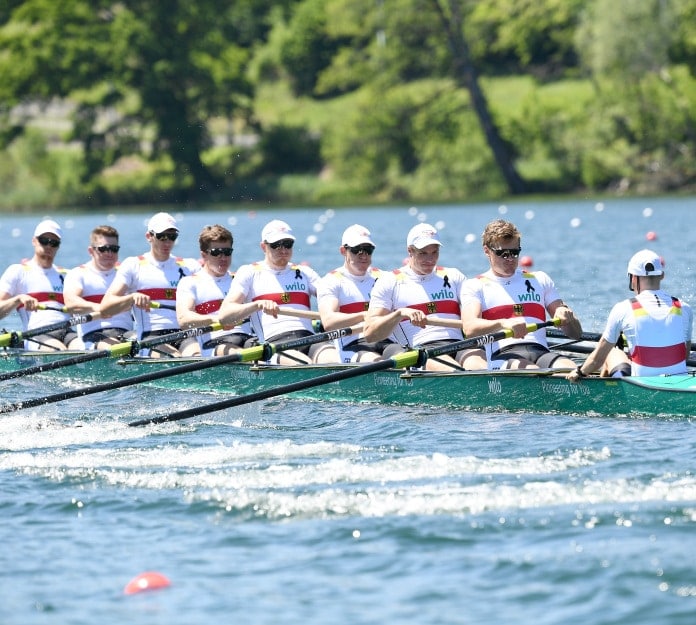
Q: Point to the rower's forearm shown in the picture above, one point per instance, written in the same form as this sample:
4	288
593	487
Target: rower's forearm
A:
380	327
477	327
80	306
231	314
192	319
115	305
336	321
7	306
573	329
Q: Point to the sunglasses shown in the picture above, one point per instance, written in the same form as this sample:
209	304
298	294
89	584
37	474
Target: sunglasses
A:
220	251
361	249
162	236
47	241
509	253
285	243
102	249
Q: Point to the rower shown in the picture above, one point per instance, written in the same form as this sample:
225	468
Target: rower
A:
656	325
34	288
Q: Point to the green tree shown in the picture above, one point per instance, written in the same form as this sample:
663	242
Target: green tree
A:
625	39
518	36
643	100
146	75
466	75
379	45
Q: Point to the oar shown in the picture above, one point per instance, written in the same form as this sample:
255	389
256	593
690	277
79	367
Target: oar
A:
585	336
399	361
120	349
258	352
14	338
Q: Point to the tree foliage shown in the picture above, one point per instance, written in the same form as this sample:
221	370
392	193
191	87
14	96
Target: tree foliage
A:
387	98
626	38
146	75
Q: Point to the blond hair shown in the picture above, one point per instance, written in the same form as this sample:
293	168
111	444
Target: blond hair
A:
499	230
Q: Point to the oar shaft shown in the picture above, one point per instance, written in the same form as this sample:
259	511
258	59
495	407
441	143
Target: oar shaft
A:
585	336
378	365
118	350
245	355
8	337
116	384
406	359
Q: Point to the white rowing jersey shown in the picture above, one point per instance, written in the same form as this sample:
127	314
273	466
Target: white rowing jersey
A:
436	293
524	294
159	280
44	285
91	284
657	328
291	287
207	292
351	292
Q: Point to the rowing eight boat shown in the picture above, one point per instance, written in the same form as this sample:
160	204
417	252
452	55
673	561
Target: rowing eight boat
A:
529	391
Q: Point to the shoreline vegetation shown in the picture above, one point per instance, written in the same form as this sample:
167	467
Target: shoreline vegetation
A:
328	103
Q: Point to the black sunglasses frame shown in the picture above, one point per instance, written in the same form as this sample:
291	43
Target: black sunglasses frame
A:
169	236
361	249
286	244
220	251
106	248
46	241
506	253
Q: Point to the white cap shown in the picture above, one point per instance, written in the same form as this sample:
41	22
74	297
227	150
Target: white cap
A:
276	230
645	263
422	235
48	226
356	235
161	222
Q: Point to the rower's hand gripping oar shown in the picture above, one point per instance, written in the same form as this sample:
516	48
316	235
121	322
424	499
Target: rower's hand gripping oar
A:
258	352
127	348
15	339
412	358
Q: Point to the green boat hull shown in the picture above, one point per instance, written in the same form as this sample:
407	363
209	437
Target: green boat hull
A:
505	391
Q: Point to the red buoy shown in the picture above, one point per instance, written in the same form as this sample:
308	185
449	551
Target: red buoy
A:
526	261
150	580
651	236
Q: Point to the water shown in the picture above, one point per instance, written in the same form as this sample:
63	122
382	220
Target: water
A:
294	513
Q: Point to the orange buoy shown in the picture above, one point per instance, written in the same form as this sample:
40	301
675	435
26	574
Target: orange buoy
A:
526	261
150	580
651	236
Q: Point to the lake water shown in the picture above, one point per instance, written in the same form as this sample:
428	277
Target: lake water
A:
291	512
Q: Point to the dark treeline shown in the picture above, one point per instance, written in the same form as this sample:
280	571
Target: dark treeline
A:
332	101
